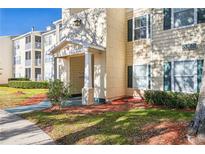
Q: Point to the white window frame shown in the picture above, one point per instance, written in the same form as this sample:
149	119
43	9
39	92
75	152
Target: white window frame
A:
147	27
172	19
147	75
173	75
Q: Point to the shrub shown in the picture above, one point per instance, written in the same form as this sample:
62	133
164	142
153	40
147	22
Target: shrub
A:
28	84
58	91
171	99
18	79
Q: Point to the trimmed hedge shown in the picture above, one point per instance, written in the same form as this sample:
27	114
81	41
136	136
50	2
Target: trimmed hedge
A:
18	79
172	99
28	84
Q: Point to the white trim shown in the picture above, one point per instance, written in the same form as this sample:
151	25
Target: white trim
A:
194	75
147	76
147	27
187	26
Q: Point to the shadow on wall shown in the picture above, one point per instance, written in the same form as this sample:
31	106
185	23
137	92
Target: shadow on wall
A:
92	29
166	45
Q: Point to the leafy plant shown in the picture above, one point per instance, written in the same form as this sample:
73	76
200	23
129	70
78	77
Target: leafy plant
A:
58	92
171	99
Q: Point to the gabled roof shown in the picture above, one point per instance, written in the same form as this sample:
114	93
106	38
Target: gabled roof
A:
65	41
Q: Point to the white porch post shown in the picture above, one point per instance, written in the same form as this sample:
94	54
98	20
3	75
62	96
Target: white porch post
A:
87	91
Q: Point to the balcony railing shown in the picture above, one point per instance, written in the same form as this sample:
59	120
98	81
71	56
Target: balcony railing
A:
28	45
38	45
27	62
38	62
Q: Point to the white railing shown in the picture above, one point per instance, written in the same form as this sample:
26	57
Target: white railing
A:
27	62
37	62
28	45
38	45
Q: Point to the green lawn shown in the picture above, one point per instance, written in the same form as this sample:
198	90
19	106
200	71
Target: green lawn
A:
106	128
11	97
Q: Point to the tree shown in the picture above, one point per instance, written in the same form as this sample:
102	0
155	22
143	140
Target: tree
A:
196	134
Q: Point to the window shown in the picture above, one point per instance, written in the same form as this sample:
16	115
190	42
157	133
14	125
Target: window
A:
183	17
37	74
37	58
28	73
48	40
17	60
28	55
141	27
28	39
185	76
38	39
141	76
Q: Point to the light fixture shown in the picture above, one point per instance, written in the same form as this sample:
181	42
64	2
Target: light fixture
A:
77	22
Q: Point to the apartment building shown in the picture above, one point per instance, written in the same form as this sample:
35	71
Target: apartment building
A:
165	49
50	37
92	54
27	56
107	54
111	53
5	58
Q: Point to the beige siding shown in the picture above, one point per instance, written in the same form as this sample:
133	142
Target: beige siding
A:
164	45
115	53
99	75
6	59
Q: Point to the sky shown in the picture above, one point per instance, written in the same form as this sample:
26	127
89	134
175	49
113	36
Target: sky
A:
15	21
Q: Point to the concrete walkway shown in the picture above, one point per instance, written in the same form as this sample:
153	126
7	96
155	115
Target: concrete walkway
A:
29	108
15	130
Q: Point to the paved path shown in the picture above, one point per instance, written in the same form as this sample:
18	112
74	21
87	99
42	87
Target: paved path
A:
29	108
15	130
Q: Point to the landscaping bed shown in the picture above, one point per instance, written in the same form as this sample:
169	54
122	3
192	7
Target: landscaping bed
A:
127	121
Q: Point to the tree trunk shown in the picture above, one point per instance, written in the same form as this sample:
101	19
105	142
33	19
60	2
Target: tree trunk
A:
197	126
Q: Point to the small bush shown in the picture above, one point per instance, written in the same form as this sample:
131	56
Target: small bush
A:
28	84
18	79
58	91
172	99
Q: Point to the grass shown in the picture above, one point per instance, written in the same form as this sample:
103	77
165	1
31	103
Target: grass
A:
106	128
11	97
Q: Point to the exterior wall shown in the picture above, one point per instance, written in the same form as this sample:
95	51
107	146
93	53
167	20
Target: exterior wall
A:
167	45
19	69
48	67
115	53
164	45
92	29
5	59
100	76
137	51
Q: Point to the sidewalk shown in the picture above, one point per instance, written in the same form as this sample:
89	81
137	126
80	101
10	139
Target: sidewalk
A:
29	108
15	130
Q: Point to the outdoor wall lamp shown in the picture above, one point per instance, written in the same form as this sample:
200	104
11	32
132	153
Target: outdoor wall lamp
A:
77	22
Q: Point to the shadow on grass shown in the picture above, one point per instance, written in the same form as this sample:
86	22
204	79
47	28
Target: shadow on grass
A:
109	128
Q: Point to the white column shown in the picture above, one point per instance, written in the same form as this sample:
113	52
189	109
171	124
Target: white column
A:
88	70
88	91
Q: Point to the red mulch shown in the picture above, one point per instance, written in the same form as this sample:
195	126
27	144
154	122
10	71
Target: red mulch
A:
114	106
34	100
165	132
169	133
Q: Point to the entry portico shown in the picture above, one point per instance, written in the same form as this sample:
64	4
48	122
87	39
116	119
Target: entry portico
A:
76	64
